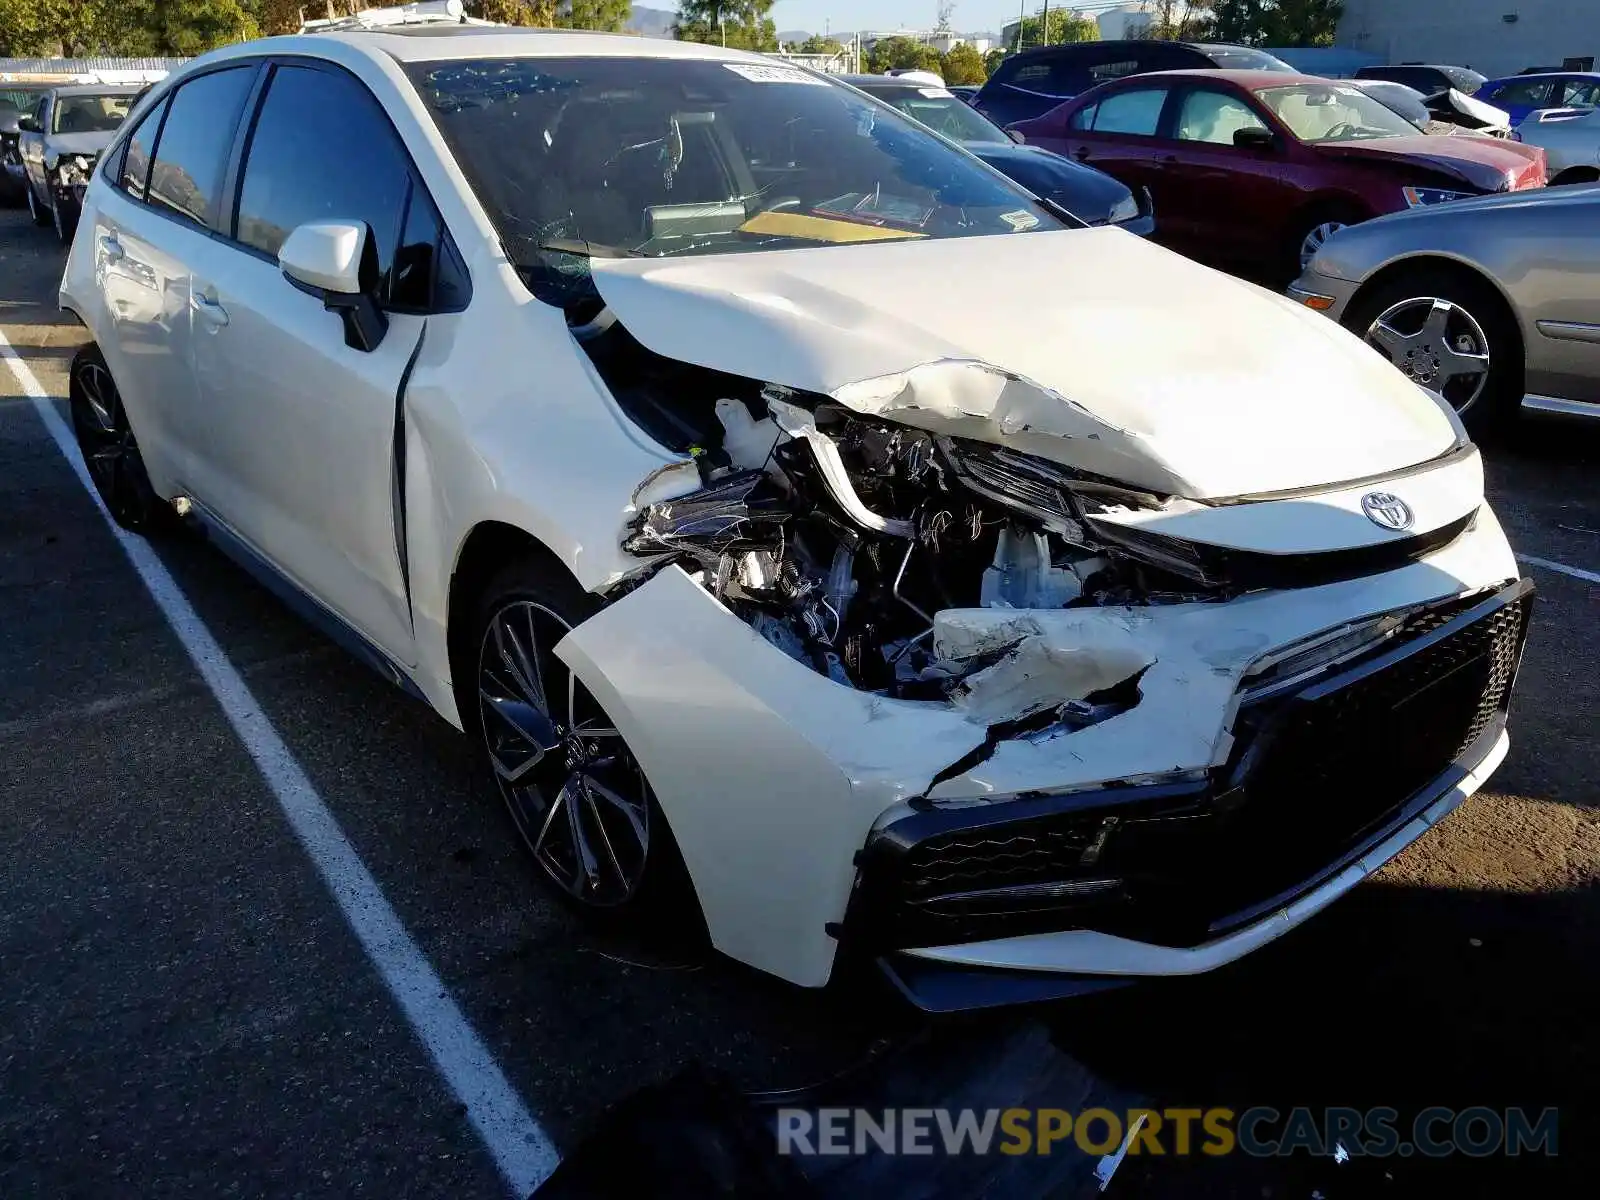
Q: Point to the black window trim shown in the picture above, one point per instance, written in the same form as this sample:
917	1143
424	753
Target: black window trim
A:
233	180
162	101
222	220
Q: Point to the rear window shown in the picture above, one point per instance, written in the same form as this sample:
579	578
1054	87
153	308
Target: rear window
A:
1243	58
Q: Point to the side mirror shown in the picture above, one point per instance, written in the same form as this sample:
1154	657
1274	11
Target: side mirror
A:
1255	138
28	124
1017	136
337	262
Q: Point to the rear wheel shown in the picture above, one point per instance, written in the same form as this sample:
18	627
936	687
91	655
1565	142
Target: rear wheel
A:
577	798
1309	232
1452	334
110	451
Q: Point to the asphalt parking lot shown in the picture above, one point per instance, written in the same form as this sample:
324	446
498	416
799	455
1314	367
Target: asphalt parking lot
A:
185	1010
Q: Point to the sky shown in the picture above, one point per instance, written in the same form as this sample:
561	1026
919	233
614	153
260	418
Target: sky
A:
970	15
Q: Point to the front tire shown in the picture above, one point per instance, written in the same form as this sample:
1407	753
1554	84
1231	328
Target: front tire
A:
577	799
109	449
65	218
35	212
1452	334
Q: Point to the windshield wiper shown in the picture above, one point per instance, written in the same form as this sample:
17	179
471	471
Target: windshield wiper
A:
588	249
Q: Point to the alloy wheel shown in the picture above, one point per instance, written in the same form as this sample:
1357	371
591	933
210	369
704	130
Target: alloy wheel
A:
1316	239
1438	344
578	798
109	450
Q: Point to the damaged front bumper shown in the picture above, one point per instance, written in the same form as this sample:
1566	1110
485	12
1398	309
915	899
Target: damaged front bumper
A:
783	788
1048	896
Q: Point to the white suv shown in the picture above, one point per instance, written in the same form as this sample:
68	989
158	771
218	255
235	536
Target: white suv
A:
816	535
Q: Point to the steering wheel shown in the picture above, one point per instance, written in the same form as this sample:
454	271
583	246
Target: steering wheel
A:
1343	128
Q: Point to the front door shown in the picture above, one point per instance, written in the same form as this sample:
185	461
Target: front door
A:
300	460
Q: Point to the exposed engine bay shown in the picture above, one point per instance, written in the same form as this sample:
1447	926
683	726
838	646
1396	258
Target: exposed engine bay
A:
837	537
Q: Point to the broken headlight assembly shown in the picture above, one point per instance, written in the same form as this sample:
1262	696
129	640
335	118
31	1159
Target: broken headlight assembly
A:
838	537
73	170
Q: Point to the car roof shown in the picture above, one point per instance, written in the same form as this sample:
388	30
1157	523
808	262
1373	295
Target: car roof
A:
1548	75
1126	43
888	81
99	89
436	42
1251	81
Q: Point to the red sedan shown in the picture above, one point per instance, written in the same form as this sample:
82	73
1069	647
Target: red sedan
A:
1262	167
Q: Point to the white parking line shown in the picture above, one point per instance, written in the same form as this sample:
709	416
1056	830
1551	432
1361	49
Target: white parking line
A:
1562	568
521	1148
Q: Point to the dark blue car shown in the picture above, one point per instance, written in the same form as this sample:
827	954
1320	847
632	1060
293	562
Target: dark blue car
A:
1523	94
1090	195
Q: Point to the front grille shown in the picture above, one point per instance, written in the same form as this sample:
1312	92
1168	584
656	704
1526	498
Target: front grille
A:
1317	776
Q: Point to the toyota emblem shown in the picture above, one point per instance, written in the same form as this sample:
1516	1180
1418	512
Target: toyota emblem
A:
1387	510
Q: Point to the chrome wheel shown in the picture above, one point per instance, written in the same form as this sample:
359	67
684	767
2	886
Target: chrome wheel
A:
106	440
1316	239
577	797
1438	344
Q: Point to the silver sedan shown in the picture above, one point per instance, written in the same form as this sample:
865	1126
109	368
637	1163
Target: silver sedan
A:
1571	140
1494	303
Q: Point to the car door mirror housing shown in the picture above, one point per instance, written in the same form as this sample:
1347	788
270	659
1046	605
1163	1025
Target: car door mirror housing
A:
337	262
1017	136
28	124
1255	138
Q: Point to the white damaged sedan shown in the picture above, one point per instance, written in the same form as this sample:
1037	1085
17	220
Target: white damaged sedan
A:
817	536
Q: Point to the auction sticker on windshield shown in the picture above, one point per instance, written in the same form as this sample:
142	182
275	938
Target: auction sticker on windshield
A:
758	73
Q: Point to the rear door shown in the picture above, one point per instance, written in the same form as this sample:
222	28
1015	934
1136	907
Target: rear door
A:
300	459
149	231
1120	133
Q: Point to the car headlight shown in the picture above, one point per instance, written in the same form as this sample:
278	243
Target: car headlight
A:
1055	496
1418	197
1126	209
74	171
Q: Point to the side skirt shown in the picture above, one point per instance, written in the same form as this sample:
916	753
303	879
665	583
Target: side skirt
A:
307	607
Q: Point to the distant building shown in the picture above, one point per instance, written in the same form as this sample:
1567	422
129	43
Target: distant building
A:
1497	37
1130	20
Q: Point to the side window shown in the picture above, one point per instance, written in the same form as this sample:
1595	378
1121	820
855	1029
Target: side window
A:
416	259
303	166
1137	112
136	159
1535	92
1083	118
1214	117
192	155
1112	68
1581	93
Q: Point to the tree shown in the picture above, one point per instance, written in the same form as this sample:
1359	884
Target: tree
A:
1064	26
122	27
902	54
273	17
1277	22
609	16
817	44
993	59
1180	20
541	13
1304	22
963	64
745	24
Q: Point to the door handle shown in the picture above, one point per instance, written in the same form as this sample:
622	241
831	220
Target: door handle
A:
1167	160
209	309
1081	154
111	248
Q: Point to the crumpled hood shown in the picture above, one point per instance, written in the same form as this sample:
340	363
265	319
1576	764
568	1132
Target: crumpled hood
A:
1090	347
90	144
1488	164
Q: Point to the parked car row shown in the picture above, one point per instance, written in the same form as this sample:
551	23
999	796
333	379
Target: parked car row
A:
58	139
1262	167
